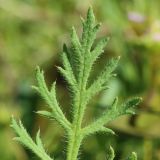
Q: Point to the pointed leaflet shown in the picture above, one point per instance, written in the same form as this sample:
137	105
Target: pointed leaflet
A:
87	31
112	113
46	114
76	54
50	98
110	154
68	63
73	60
92	130
67	72
99	48
98	124
38	141
26	140
92	35
93	56
106	130
75	45
100	83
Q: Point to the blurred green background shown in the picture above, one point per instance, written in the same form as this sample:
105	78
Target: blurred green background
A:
32	33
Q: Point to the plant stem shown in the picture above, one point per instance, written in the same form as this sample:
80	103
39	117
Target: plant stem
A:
75	137
74	145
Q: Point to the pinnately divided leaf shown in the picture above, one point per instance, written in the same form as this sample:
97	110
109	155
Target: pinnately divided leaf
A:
25	139
77	62
51	100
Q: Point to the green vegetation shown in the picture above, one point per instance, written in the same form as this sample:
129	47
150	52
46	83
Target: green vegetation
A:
77	62
32	32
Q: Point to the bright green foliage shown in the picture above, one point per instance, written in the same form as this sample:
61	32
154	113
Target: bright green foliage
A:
77	62
27	141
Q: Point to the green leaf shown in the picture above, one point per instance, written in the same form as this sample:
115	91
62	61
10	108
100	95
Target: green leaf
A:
51	100
78	60
128	107
38	141
99	48
133	156
95	53
112	113
26	140
101	82
67	72
87	30
74	60
110	154
75	44
95	129
46	114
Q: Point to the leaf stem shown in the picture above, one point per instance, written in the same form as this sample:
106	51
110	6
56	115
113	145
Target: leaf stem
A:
75	138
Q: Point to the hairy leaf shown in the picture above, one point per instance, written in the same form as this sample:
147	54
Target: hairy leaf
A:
25	139
78	59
